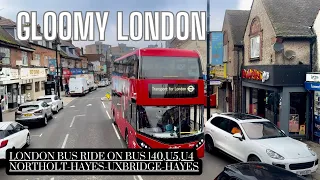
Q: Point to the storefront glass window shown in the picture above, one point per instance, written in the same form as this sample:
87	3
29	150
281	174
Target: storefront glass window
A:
297	116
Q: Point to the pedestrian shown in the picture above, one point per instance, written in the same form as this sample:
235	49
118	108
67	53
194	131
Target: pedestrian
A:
66	87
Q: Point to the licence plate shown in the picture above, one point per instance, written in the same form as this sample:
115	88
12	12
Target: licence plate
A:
305	172
28	115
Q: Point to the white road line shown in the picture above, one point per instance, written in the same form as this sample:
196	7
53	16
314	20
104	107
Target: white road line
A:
89	105
139	177
52	178
115	130
72	106
104	106
108	114
65	141
40	135
74	117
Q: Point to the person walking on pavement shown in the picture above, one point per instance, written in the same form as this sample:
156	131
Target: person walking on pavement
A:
66	87
1	100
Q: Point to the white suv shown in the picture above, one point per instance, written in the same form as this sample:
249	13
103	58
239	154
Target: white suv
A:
251	138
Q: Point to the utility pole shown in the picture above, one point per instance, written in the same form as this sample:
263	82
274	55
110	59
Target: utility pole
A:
208	59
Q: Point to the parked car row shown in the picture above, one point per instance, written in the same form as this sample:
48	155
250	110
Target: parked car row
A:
250	138
104	83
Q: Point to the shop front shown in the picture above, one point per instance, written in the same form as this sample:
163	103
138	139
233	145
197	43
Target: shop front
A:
9	88
32	81
312	85
277	93
218	86
75	71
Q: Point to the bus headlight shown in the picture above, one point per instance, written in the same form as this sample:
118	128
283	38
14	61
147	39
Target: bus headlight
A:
199	143
142	144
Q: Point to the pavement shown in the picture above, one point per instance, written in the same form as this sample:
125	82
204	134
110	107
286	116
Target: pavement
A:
92	128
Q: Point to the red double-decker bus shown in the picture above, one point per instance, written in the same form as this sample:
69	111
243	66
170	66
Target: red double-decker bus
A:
157	99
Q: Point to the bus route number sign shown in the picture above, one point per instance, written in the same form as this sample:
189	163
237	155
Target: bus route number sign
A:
173	90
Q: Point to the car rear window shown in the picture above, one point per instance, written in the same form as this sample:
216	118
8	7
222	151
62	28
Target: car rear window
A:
28	108
47	100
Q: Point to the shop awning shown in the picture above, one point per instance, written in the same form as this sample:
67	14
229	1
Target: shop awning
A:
10	81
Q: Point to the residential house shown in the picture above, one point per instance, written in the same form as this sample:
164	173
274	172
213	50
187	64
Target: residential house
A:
70	62
97	60
234	25
278	51
18	62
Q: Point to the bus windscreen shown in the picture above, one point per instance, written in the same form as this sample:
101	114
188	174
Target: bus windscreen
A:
154	67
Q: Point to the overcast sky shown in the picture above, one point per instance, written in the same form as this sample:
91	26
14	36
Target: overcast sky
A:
10	8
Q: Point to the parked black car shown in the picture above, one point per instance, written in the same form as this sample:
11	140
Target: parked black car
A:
256	171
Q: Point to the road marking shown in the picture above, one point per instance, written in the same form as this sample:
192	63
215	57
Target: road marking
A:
74	117
137	177
37	135
73	106
89	105
52	178
108	114
115	130
104	106
65	141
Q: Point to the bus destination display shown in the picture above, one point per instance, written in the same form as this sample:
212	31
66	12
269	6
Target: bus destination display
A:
103	162
173	90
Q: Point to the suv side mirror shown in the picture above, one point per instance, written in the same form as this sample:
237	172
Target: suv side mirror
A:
238	136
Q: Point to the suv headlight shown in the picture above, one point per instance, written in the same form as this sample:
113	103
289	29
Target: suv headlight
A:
274	155
311	151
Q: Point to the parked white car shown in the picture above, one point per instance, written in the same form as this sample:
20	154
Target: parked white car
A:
251	138
53	100
102	83
13	134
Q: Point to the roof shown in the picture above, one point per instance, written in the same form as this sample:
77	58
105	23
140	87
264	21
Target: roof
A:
67	43
237	20
94	57
4	125
47	96
31	103
261	171
241	116
165	52
7	38
6	22
292	18
67	53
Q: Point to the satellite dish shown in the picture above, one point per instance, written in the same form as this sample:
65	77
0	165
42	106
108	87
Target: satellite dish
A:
289	54
278	47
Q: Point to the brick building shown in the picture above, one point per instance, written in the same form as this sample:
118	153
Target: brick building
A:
234	25
278	51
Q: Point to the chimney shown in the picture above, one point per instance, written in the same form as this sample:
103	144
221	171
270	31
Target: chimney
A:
81	52
38	28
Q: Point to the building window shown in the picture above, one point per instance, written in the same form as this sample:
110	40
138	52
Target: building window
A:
37	86
255	39
42	85
6	59
255	47
24	56
36	57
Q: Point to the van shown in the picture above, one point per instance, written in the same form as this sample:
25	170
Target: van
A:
88	77
78	86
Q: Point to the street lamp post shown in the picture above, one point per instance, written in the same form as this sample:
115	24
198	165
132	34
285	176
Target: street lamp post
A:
208	59
57	79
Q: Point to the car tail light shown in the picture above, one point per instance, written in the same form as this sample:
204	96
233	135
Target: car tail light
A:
3	143
38	112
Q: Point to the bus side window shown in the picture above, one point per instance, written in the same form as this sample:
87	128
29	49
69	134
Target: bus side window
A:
133	115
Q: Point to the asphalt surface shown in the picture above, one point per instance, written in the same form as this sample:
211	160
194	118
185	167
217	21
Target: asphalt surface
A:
84	123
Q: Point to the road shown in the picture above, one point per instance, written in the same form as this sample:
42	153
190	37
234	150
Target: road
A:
85	123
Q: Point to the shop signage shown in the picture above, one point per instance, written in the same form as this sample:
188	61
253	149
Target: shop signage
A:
52	67
313	86
254	74
313	77
84	71
31	73
75	71
173	90
219	71
9	74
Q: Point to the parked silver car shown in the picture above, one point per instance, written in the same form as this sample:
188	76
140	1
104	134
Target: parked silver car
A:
53	100
34	112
